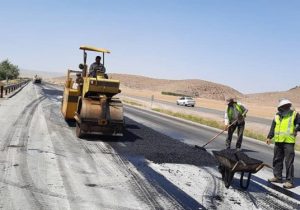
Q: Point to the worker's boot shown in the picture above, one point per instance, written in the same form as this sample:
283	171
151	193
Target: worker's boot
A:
275	180
288	185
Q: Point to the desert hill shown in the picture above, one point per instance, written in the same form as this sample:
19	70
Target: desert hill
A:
271	98
193	87
199	88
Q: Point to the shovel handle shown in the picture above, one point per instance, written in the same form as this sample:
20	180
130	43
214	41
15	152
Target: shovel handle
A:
213	138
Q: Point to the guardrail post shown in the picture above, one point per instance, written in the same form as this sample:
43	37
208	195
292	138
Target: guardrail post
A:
5	90
1	92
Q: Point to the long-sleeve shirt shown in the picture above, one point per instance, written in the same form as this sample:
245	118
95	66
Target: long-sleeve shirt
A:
272	129
97	67
236	114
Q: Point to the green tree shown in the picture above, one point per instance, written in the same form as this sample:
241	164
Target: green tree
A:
9	70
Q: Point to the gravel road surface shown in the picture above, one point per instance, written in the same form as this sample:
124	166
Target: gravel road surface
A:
153	166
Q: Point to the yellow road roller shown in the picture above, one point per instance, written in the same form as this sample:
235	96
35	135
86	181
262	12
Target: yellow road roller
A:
89	100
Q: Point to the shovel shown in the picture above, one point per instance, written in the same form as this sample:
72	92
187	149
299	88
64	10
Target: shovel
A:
213	138
202	147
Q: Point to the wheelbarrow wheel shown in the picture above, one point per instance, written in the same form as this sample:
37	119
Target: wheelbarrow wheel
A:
222	171
228	176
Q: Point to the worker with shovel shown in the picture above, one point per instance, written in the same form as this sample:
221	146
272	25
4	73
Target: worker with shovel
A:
235	119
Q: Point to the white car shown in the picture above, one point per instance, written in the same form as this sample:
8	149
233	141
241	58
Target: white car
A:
186	101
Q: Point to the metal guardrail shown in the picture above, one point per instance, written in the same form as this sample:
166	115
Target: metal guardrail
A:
6	89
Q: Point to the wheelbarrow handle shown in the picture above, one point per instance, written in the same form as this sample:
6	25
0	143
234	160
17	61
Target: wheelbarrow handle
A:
261	166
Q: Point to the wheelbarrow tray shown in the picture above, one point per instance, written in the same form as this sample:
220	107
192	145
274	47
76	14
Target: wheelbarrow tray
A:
237	161
231	161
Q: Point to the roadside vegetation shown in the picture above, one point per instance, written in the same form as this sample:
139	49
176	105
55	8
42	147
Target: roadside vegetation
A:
131	102
8	70
173	94
208	122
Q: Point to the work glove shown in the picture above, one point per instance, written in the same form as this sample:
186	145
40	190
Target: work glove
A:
269	141
244	114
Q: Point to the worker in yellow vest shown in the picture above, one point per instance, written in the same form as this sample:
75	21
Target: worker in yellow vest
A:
283	132
235	119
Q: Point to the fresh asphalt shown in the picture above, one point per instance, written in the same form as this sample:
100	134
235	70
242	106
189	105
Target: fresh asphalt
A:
193	134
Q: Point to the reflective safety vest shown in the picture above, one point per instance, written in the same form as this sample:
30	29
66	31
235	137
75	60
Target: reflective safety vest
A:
285	128
230	111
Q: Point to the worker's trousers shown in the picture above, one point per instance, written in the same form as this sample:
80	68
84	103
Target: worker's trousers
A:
284	151
240	131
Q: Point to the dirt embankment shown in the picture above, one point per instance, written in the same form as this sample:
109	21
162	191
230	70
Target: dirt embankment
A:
209	94
192	87
272	98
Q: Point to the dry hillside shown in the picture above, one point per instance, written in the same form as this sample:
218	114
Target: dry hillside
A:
136	85
43	74
271	98
194	87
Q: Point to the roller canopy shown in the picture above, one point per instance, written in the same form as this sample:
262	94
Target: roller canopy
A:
90	48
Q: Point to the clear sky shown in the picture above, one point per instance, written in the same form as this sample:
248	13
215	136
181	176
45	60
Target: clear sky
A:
252	46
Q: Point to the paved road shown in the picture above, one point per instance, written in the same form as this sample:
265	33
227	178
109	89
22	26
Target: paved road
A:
205	110
195	135
44	166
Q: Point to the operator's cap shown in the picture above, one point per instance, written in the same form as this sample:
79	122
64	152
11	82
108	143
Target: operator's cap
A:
283	102
230	100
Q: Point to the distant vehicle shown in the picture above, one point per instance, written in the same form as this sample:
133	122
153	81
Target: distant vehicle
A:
186	101
37	79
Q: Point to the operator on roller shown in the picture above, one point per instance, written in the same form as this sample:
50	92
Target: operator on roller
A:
97	67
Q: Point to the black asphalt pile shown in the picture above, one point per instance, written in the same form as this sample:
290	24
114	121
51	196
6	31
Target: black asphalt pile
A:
233	155
140	140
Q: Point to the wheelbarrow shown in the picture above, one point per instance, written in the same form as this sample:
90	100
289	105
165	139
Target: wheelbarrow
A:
232	161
